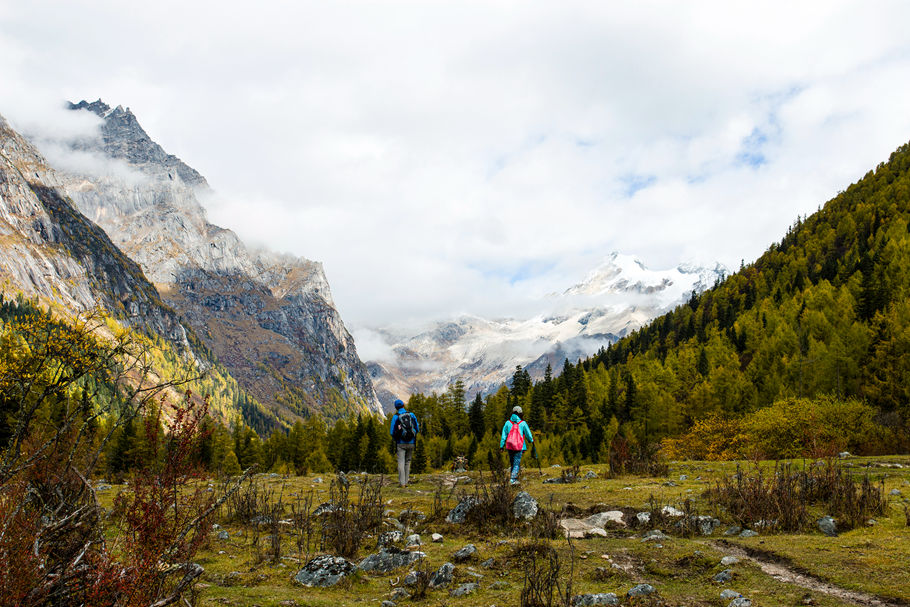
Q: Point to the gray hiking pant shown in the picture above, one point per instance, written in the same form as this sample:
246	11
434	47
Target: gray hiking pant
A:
405	452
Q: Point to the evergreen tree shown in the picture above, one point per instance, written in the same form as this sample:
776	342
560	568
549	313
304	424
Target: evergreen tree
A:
476	417
419	460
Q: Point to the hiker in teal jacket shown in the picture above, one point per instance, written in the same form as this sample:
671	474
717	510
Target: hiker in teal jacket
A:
525	431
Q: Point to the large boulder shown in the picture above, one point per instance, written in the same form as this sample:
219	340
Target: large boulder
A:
458	514
524	506
324	571
389	559
443	576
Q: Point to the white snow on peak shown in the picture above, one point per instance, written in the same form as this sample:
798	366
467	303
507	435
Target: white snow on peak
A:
617	297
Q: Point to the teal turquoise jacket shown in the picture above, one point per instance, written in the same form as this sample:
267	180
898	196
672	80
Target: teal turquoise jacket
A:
522	427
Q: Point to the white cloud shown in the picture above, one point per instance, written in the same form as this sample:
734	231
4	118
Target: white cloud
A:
457	157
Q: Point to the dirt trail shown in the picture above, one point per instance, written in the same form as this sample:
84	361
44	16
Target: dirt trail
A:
778	568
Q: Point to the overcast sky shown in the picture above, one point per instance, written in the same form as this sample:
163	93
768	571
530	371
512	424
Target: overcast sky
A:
467	157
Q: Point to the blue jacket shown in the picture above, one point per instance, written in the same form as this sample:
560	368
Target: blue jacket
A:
522	427
404	411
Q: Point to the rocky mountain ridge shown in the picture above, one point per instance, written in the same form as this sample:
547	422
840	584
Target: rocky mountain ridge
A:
268	317
614	299
52	252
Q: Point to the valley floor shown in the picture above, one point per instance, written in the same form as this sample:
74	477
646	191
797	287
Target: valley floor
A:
864	566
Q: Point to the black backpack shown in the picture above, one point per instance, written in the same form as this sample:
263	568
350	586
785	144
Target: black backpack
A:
405	431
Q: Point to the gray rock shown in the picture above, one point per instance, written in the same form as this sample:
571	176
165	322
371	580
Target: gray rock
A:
827	525
388	538
500	585
729	560
748	533
324	571
612	518
387	604
410	579
724	576
740	602
443	576
602	598
318	480
465	553
389	559
640	590
524	506
733	530
488	563
413	540
895	492
436	538
671	511
843	454
465	589
707	524
643	517
224	535
460	511
683	477
590	475
729	594
654	535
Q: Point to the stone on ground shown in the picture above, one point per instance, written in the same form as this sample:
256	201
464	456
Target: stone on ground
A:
443	576
389	559
324	571
465	553
601	598
465	589
460	511
524	506
640	590
724	576
827	526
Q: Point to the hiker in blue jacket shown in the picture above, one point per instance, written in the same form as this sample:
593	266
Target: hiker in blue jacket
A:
404	431
516	436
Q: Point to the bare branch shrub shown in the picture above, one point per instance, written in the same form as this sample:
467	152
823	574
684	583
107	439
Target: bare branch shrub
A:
346	523
545	584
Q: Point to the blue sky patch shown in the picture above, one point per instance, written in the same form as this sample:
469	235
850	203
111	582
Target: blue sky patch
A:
634	183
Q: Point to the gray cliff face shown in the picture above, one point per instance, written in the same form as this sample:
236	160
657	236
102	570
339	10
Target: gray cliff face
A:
50	250
269	318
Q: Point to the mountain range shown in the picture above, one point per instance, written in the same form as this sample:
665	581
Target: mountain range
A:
615	298
144	245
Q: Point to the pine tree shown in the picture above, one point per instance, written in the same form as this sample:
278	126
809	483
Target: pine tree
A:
419	461
476	417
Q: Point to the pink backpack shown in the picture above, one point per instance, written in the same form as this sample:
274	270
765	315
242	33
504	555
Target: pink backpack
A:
515	441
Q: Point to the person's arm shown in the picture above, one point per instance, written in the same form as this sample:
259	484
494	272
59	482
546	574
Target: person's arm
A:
505	433
527	431
416	424
392	427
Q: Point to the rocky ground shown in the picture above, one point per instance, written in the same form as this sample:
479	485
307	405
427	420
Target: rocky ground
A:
430	551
